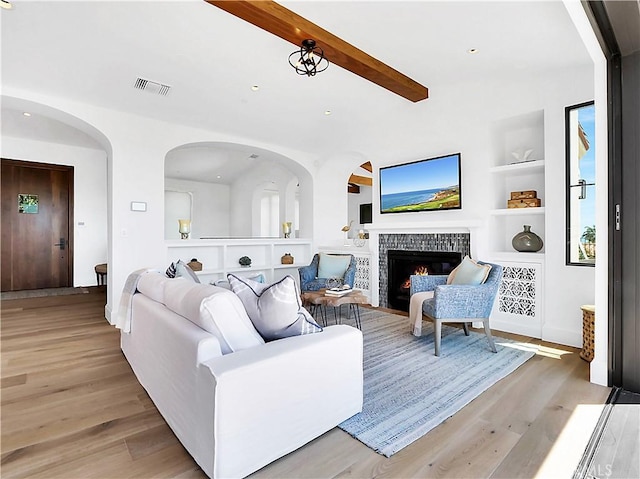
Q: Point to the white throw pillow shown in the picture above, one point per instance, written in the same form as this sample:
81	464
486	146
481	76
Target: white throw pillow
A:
216	310
274	309
469	272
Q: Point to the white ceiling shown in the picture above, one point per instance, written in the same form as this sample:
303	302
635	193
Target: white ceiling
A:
93	51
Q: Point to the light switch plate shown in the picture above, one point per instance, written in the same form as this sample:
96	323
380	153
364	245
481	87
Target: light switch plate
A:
138	206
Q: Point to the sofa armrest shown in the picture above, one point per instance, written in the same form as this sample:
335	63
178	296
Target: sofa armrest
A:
307	273
270	400
427	282
350	274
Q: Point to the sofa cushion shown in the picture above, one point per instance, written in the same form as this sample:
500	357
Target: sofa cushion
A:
469	272
333	265
151	284
216	310
275	309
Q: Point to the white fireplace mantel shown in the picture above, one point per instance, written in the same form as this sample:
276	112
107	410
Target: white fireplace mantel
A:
461	226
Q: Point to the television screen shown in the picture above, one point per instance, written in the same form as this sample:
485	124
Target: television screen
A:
366	213
424	185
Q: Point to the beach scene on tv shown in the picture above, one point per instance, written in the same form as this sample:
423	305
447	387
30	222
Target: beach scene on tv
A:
424	185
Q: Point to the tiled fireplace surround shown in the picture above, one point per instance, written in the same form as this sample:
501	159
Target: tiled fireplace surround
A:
459	242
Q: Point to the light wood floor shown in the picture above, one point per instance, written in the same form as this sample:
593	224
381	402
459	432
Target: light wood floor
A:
72	408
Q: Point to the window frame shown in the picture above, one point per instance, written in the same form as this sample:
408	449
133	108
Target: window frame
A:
568	111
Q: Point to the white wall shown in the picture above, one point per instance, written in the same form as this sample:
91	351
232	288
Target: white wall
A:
136	149
90	198
566	287
355	200
211	208
459	119
456	119
246	194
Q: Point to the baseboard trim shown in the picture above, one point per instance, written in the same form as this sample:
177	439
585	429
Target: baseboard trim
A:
562	336
107	313
509	327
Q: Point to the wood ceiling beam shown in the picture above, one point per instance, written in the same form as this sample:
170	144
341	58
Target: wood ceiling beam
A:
361	180
282	22
367	166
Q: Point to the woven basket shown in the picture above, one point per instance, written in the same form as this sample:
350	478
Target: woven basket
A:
588	332
286	259
195	265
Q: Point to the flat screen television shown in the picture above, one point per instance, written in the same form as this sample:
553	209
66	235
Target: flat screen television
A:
423	185
366	213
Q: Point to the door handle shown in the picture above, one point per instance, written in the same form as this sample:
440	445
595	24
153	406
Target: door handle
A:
583	188
62	243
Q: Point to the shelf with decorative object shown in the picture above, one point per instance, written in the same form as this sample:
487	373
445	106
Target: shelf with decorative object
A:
518	208
518	211
521	257
220	256
290	266
525	168
518	181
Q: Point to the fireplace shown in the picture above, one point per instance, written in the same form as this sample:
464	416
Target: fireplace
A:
402	264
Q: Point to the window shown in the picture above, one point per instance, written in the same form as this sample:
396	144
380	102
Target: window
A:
270	214
581	181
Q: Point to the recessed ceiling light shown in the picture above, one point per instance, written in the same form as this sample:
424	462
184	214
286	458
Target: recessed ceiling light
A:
327	112
255	88
218	176
6	4
473	51
26	113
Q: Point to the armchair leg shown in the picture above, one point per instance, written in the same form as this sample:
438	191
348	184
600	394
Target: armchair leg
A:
437	335
465	326
487	331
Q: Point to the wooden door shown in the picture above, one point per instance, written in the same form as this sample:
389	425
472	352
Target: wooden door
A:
37	206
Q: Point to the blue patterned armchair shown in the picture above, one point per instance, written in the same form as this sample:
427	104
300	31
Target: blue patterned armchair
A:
458	303
310	282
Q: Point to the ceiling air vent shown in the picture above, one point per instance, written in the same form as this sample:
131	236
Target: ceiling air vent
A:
152	87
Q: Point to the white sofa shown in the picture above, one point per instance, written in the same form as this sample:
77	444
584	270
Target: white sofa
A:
239	411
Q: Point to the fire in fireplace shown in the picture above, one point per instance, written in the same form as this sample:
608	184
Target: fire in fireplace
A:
402	264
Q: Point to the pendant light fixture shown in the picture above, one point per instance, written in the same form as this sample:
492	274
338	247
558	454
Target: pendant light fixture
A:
309	60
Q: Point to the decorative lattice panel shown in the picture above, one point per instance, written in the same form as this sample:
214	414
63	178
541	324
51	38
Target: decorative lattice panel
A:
363	272
517	293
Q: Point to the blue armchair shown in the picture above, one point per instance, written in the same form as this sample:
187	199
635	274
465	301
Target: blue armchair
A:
458	303
310	282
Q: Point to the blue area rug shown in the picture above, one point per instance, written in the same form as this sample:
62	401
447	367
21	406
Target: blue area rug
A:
408	391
